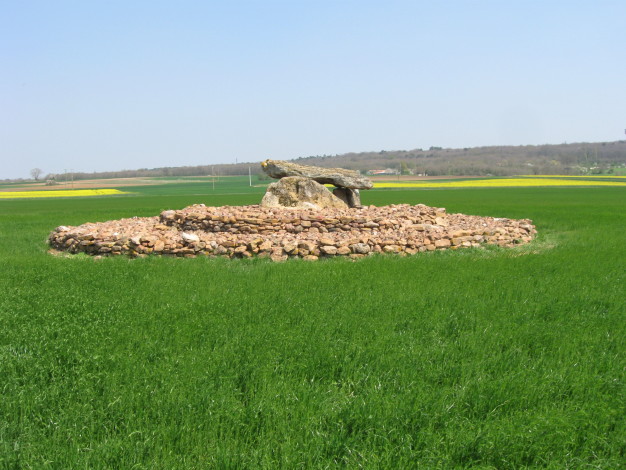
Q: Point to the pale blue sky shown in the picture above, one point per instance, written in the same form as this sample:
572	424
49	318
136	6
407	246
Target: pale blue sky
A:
109	85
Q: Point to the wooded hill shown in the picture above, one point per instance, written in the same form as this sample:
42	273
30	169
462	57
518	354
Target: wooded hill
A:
568	159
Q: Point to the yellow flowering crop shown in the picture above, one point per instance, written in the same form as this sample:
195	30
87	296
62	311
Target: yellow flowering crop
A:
61	193
572	176
498	183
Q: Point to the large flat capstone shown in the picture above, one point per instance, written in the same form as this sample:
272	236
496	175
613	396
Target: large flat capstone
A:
337	176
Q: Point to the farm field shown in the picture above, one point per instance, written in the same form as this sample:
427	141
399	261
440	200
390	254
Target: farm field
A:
60	193
120	183
241	184
500	182
488	358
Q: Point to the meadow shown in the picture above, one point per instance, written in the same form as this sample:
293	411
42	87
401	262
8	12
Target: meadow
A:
491	359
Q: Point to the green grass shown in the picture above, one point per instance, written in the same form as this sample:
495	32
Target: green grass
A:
4	185
476	359
233	185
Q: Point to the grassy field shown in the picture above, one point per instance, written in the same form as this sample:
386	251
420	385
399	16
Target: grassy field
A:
493	359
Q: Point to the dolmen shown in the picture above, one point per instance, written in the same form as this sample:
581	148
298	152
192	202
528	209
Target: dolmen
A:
302	186
298	217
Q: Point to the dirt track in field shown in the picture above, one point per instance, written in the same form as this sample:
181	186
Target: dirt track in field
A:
92	184
392	178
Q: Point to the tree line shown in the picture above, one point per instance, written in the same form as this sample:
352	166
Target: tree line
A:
567	159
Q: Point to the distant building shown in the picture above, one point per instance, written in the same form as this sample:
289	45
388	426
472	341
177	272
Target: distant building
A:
385	172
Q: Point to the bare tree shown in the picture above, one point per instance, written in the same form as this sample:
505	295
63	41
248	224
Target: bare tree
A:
36	173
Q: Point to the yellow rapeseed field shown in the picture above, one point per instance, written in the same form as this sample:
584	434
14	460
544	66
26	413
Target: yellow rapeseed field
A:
498	183
572	176
61	193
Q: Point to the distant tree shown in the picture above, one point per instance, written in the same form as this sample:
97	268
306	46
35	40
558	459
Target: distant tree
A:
404	168
36	173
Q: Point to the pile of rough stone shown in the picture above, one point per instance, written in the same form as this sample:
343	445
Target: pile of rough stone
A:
296	219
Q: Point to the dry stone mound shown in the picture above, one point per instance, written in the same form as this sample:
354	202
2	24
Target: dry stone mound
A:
280	233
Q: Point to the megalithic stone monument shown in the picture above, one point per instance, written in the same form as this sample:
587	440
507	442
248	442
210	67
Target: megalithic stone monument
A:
338	176
348	182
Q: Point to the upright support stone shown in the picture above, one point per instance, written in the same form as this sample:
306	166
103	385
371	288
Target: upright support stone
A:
295	191
349	196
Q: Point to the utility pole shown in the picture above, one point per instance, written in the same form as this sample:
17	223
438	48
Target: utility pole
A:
250	176
213	176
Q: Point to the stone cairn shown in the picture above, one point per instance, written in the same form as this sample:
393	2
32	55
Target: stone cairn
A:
298	218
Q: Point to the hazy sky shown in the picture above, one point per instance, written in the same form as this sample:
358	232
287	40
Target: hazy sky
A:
109	85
